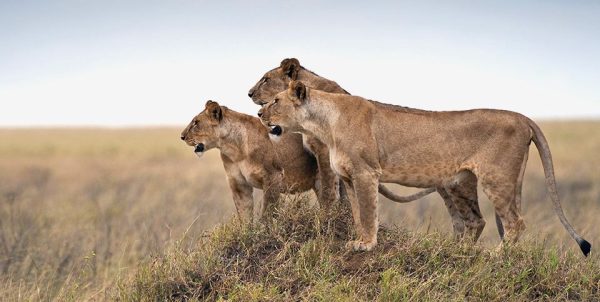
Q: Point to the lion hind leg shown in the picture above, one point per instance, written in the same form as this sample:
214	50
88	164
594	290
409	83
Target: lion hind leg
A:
518	195
502	195
519	187
458	224
464	196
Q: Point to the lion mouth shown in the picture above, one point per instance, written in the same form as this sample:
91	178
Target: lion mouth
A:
199	150
258	101
275	130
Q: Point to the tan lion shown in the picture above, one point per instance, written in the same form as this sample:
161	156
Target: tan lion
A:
251	160
371	142
277	80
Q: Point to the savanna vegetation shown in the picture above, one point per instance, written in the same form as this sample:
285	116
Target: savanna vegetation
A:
132	214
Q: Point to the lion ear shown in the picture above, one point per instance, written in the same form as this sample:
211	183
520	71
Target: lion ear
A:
297	92
290	67
214	110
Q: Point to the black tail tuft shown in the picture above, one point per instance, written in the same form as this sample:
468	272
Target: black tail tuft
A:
585	247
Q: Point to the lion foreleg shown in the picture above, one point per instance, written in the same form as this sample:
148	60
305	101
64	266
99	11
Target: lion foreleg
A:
365	187
242	197
351	197
271	192
326	177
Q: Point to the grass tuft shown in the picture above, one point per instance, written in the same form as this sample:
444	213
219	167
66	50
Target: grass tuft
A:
300	255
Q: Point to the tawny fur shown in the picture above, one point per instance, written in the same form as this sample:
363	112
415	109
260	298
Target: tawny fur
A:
277	80
371	142
250	158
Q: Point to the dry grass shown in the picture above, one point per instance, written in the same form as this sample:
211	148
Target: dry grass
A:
81	208
299	257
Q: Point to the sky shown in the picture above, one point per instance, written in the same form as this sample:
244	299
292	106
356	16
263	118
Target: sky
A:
140	63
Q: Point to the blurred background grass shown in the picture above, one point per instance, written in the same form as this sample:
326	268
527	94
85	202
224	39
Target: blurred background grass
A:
79	208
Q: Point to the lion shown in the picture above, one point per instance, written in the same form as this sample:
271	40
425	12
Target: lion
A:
277	80
251	160
371	142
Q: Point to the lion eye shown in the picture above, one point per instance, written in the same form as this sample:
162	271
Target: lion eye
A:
275	101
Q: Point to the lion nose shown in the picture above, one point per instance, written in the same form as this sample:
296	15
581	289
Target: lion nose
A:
259	114
250	93
183	137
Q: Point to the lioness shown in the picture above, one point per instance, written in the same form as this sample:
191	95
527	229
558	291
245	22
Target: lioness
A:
251	160
371	142
277	80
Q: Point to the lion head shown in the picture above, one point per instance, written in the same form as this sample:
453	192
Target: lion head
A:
275	81
203	131
285	110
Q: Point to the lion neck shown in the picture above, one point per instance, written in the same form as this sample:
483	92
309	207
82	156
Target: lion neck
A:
233	135
315	81
318	116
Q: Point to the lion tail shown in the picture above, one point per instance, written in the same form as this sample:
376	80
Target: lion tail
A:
544	150
403	199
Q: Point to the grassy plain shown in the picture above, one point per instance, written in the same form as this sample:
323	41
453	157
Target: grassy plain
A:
84	212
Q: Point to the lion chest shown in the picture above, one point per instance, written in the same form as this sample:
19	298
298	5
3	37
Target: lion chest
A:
340	162
253	174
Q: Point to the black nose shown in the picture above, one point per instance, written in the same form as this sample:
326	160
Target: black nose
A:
259	114
250	93
183	137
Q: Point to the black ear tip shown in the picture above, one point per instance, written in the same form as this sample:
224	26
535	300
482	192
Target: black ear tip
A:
585	247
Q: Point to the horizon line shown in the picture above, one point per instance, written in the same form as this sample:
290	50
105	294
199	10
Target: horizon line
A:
169	125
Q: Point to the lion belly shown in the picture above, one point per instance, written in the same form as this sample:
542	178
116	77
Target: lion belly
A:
420	177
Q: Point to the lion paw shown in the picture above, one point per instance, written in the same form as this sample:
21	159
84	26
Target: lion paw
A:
360	246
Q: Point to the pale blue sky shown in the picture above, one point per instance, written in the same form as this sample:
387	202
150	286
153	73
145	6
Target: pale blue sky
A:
156	62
